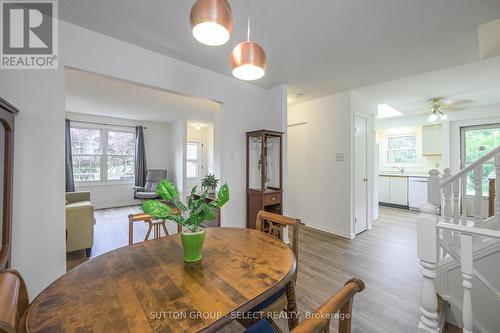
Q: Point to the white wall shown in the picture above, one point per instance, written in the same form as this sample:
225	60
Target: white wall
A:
321	187
157	146
178	136
39	225
38	232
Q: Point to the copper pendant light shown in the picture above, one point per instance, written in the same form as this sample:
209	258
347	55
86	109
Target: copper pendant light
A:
211	21
248	59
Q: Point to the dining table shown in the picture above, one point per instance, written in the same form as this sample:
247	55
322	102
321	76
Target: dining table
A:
147	286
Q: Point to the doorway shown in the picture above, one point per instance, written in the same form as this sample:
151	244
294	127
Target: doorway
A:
199	154
360	174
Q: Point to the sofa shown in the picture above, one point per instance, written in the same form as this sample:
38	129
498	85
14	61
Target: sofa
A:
79	222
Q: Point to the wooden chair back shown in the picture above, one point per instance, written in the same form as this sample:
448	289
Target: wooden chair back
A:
13	300
273	224
341	302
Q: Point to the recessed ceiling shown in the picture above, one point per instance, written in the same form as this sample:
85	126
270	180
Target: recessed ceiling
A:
316	47
94	94
466	86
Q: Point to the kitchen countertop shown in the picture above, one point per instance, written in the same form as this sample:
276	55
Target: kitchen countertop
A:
403	175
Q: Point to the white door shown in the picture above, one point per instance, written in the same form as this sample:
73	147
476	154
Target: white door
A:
194	164
360	174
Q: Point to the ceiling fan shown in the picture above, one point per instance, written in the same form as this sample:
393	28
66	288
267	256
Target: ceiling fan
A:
439	106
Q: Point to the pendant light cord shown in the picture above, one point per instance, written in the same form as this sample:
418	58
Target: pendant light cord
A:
248	22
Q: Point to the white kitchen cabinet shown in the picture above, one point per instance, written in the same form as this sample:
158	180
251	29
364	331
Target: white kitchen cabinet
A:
384	189
398	190
432	140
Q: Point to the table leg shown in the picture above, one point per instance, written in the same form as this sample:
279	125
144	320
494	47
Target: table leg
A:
293	314
130	231
150	226
164	228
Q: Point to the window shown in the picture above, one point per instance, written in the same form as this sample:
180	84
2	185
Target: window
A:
193	159
402	149
478	141
102	154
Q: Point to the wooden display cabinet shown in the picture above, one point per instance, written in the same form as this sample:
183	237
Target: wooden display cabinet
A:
264	173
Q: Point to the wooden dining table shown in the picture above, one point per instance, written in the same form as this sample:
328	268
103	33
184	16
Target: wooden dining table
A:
147	287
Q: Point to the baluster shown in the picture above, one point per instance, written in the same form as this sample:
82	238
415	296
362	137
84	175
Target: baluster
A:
456	210
427	252
464	198
497	189
466	253
447	191
478	195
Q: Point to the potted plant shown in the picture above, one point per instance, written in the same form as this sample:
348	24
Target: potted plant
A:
190	217
209	183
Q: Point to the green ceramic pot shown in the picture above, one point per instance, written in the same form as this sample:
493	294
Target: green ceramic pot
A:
193	245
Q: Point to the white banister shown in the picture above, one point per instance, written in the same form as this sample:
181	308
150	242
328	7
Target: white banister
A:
427	252
456	201
470	167
447	191
463	187
497	188
478	189
467	267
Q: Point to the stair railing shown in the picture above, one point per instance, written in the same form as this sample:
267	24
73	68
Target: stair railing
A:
447	195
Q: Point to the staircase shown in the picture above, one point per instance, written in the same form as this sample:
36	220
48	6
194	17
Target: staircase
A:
459	252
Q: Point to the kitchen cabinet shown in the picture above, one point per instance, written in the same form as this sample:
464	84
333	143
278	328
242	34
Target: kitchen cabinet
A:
398	187
432	140
384	188
393	190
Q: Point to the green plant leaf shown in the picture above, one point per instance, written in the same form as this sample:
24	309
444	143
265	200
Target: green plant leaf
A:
223	195
166	190
156	209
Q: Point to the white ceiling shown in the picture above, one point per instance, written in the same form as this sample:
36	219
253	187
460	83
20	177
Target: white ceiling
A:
316	47
94	94
468	86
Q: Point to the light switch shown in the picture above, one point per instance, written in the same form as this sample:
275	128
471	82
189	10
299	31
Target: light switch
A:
339	157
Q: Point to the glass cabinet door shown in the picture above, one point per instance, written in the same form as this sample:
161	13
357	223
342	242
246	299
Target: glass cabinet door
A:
272	174
254	162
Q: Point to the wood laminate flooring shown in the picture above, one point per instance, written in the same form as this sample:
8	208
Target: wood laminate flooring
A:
384	257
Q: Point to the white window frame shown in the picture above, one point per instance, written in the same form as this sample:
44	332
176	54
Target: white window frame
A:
103	129
199	160
386	135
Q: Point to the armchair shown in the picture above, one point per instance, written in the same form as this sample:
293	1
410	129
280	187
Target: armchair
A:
149	190
79	222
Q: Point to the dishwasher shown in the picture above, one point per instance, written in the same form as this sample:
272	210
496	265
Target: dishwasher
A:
417	192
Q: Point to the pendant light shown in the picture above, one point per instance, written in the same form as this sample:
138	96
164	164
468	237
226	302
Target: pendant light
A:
211	21
248	59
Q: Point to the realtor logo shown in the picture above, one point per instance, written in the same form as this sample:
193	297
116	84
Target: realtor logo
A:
29	34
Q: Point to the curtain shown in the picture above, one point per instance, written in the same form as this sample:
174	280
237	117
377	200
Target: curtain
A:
141	168
70	182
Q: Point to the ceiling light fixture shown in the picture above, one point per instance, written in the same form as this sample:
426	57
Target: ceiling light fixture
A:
211	21
435	104
248	59
197	126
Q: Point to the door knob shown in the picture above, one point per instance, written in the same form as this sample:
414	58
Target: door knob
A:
365	180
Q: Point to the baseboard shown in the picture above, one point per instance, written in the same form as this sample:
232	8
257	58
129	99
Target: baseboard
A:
330	230
117	205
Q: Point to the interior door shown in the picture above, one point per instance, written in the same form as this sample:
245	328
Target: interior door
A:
194	164
360	174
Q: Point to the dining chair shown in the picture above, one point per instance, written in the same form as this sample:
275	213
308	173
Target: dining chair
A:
338	306
13	301
284	299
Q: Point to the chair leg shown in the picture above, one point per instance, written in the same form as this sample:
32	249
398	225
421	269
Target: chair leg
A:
291	309
150	227
87	252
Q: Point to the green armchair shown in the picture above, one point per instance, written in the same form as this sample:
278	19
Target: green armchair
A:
79	222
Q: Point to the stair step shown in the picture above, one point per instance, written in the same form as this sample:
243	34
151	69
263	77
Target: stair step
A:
450	328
